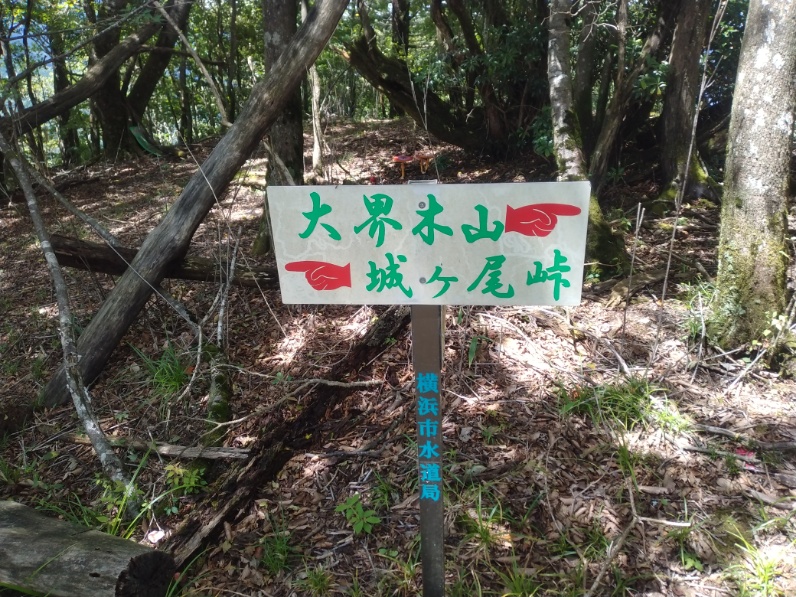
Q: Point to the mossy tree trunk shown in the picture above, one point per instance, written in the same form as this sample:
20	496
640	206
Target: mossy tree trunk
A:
680	103
753	250
602	246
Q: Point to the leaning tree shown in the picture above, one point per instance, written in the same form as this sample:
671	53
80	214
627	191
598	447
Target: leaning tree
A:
170	239
753	248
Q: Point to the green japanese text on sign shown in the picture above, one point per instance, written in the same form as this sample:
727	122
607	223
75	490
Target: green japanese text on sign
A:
483	244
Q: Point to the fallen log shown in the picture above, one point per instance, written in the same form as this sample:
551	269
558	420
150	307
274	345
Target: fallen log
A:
170	450
235	490
100	258
40	555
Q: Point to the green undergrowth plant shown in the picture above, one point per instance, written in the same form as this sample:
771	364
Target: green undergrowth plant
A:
596	543
360	519
467	585
758	571
628	461
665	414
115	498
565	583
517	582
181	481
277	548
179	584
314	581
168	373
520	517
10	474
402	576
483	520
72	509
494	424
185	480
778	524
699	299
355	589
475	342
384	493
681	536
624	404
28	472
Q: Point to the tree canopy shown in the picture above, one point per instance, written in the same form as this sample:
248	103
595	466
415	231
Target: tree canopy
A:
472	73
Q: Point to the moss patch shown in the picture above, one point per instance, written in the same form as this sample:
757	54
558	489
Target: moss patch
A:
605	249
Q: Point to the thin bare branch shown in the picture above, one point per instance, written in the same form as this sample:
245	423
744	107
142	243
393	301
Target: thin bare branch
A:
111	463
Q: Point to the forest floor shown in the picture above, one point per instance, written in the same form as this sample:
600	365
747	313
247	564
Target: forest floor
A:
570	433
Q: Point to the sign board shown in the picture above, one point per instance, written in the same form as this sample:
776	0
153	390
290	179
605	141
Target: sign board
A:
473	244
478	244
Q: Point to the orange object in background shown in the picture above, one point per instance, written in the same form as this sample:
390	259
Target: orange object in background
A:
403	160
424	157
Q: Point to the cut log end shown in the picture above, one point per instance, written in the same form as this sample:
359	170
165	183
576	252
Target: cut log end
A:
40	555
147	575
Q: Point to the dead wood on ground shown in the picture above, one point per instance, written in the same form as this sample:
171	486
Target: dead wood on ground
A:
42	555
272	451
97	257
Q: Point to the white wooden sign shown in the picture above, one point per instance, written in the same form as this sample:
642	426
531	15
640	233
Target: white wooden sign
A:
471	244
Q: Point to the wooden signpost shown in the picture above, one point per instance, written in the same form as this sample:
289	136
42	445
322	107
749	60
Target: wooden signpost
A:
476	244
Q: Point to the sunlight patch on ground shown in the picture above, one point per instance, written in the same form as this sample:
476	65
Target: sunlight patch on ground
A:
316	465
291	344
759	404
144	218
528	356
51	311
244	213
359	322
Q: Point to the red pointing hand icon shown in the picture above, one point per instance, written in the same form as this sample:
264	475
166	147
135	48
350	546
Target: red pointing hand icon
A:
537	219
322	275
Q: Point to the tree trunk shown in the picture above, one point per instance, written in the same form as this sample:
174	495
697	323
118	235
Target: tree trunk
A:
286	138
5	50
37	141
156	63
273	449
399	30
399	26
95	257
584	75
67	132
45	556
452	55
496	127
391	77
108	98
186	118
623	92
171	238
602	245
232	62
753	247
682	89
315	107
